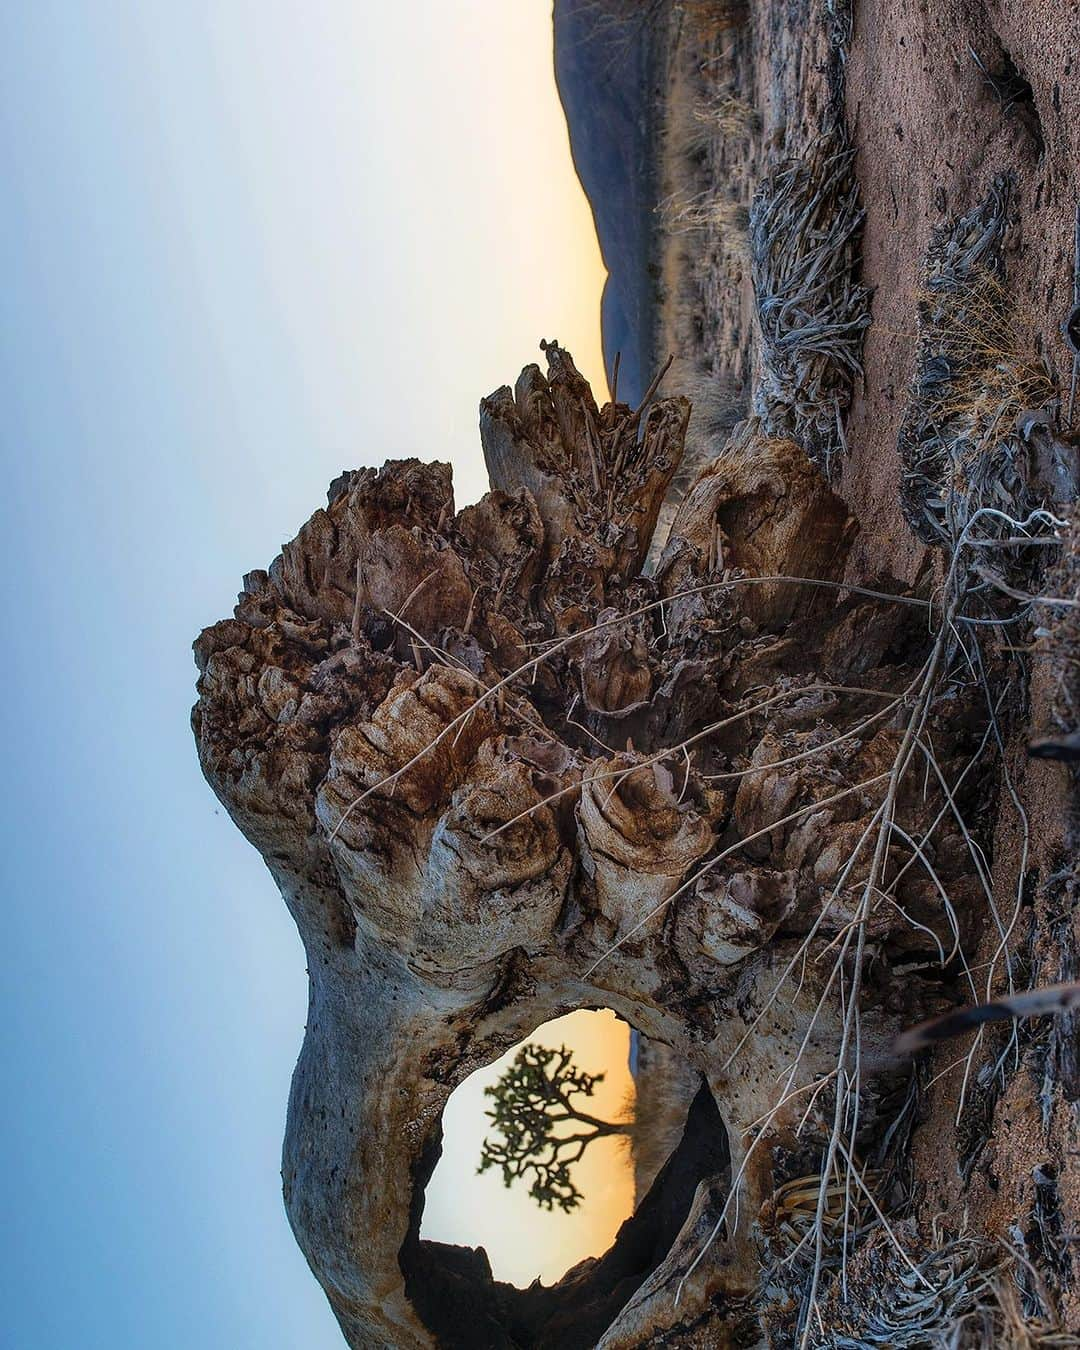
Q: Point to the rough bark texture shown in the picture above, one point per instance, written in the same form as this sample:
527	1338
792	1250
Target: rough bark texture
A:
964	118
499	773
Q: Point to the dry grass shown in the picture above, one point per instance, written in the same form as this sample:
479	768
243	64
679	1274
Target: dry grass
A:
681	213
707	123
953	1292
717	406
697	120
975	375
708	17
978	379
1060	642
829	1239
721	113
805	235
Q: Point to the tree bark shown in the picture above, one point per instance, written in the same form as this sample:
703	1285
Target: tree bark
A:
770	802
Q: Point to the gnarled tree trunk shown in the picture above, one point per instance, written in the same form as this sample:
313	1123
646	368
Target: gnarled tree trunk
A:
769	802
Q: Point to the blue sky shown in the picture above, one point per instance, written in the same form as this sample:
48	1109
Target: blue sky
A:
247	246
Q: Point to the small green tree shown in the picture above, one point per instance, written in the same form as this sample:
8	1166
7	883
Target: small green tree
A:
533	1099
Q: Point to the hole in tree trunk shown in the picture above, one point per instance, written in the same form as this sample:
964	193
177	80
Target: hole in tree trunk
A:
528	1235
453	1287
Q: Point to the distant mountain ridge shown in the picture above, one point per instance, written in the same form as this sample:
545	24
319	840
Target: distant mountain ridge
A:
604	70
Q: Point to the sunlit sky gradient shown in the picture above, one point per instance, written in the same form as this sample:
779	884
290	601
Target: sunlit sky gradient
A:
248	245
522	1241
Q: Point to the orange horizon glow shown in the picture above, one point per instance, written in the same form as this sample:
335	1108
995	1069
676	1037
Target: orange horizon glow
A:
524	1242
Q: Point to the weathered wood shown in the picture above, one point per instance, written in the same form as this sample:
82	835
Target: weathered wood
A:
401	718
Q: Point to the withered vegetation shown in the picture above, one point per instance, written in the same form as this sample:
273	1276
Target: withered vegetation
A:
643	729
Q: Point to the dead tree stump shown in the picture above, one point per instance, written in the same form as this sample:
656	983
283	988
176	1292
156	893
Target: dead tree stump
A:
499	774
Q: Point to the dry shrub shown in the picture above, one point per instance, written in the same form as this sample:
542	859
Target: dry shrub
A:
728	114
712	16
1059	642
959	444
945	1293
680	214
805	234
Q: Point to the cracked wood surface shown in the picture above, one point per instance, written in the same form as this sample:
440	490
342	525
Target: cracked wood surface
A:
480	819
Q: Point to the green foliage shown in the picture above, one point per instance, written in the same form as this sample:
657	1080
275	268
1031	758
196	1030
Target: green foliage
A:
532	1101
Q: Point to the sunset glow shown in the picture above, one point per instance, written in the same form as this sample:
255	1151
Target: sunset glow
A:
523	1241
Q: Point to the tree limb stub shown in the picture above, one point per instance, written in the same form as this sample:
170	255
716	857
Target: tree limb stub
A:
477	751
